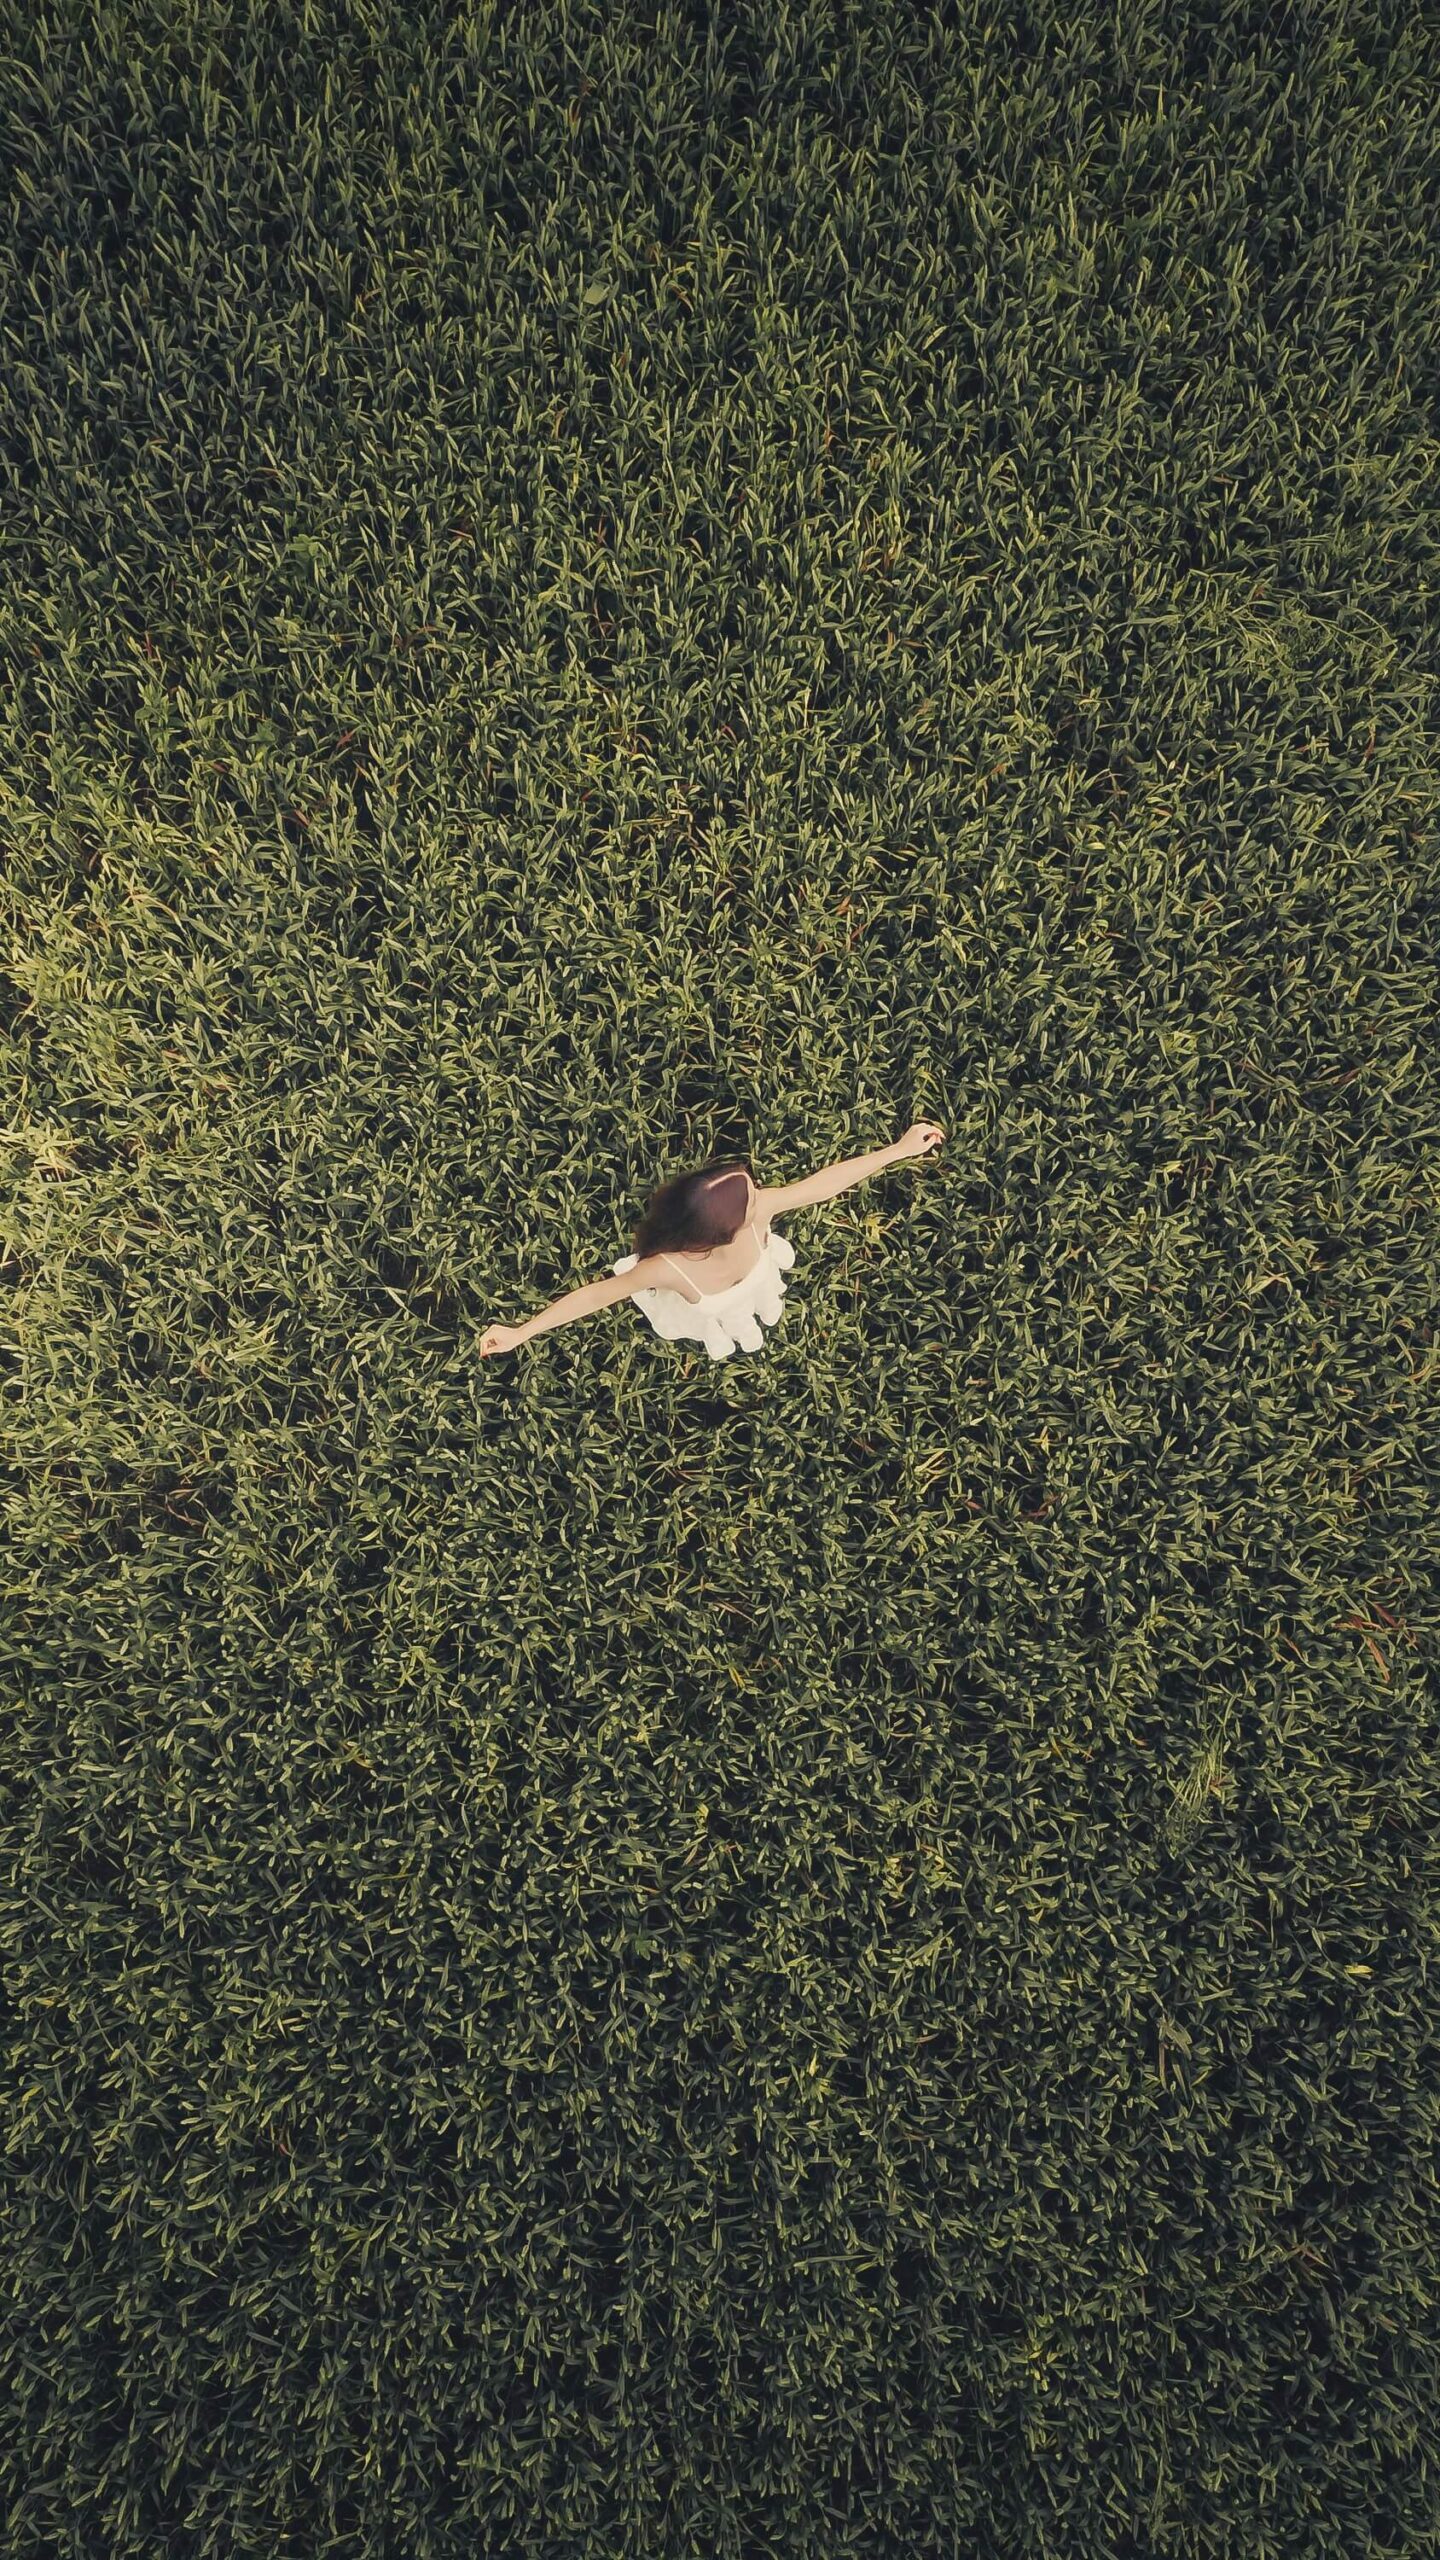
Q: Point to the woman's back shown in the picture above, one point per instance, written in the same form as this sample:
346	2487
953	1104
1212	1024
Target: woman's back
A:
716	1273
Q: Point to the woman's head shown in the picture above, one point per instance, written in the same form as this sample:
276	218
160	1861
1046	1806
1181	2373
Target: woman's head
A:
695	1212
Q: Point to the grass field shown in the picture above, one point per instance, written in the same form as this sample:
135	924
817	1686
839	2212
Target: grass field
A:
836	1955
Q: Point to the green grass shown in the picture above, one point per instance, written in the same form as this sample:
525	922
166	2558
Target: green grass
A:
834	1955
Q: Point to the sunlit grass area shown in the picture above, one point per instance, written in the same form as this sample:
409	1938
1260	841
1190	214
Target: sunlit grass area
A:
833	1953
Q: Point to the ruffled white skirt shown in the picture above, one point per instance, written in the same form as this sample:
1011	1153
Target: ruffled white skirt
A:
735	1319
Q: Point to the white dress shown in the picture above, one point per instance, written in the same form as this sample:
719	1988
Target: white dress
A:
726	1320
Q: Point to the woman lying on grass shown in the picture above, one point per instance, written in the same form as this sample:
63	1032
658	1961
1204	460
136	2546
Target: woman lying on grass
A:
719	1218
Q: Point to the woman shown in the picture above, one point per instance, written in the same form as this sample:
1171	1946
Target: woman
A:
717	1220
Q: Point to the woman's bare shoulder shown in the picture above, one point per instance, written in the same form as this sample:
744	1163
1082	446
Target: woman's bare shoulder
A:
651	1272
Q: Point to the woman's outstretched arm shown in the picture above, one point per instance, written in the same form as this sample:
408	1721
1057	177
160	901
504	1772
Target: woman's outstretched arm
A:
569	1309
832	1179
566	1310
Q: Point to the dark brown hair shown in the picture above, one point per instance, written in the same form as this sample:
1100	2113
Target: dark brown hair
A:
695	1212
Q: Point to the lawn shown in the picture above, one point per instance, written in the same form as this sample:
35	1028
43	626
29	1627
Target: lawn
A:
832	1955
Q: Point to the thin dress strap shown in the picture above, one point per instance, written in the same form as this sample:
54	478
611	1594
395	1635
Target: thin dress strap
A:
707	1293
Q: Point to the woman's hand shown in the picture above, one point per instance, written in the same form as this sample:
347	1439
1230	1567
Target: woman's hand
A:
499	1337
921	1138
